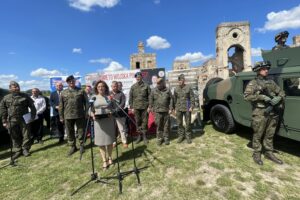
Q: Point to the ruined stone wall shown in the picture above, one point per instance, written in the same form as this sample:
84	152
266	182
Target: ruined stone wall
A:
146	60
181	64
191	78
233	34
296	41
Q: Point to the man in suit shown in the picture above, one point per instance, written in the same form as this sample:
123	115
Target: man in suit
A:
57	126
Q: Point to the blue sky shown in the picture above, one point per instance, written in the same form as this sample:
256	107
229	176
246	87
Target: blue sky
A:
40	38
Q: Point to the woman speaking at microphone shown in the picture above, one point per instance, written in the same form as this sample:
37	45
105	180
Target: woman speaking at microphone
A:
104	126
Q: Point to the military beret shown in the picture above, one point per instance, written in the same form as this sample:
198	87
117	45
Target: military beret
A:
160	80
261	64
181	77
280	35
138	74
69	78
14	83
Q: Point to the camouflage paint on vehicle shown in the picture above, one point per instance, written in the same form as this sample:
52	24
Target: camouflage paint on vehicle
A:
285	71
223	88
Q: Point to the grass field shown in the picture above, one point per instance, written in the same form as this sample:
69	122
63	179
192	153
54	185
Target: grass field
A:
214	166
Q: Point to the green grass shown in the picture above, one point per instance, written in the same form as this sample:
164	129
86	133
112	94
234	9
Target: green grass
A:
214	166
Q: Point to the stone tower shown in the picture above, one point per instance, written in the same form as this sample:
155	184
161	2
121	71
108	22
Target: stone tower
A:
142	60
233	49
141	47
181	64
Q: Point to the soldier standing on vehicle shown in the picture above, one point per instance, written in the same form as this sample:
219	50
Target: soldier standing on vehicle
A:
13	107
161	102
266	98
280	39
73	108
139	102
184	102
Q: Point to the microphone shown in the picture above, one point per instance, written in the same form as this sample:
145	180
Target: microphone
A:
92	100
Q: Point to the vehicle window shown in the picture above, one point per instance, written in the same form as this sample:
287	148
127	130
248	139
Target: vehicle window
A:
291	86
245	83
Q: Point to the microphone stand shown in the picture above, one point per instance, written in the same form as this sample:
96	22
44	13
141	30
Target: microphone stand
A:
94	176
135	169
12	160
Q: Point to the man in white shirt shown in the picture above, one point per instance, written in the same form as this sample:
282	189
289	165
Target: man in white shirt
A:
37	125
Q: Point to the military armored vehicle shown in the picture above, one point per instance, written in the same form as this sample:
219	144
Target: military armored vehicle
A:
3	131
224	104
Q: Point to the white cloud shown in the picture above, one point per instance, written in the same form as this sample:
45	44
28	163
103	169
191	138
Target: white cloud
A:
194	57
77	50
25	85
6	78
282	20
11	53
86	5
42	72
29	84
156	42
101	60
156	1
256	51
114	66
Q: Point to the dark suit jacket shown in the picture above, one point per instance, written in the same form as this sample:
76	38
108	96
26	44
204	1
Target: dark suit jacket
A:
54	101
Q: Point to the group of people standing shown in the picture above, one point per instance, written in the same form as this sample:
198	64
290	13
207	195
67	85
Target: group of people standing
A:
108	112
71	108
14	107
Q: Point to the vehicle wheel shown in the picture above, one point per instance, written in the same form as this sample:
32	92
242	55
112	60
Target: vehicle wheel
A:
222	119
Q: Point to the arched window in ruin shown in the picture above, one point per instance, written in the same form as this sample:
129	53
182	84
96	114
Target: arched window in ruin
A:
235	58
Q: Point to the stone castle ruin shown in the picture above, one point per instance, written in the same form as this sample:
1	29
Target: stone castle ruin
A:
233	55
142	60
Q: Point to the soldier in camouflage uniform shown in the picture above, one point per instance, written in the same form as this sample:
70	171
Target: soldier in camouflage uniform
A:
13	107
266	98
184	102
161	102
280	39
73	107
139	102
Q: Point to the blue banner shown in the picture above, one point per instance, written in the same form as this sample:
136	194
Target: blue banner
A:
54	80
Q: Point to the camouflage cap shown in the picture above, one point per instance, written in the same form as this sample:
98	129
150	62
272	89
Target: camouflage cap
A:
138	74
69	78
280	35
261	64
14	83
181	77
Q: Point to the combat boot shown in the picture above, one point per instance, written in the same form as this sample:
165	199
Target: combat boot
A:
180	139
138	139
269	155
167	142
72	150
188	140
257	158
159	142
16	155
